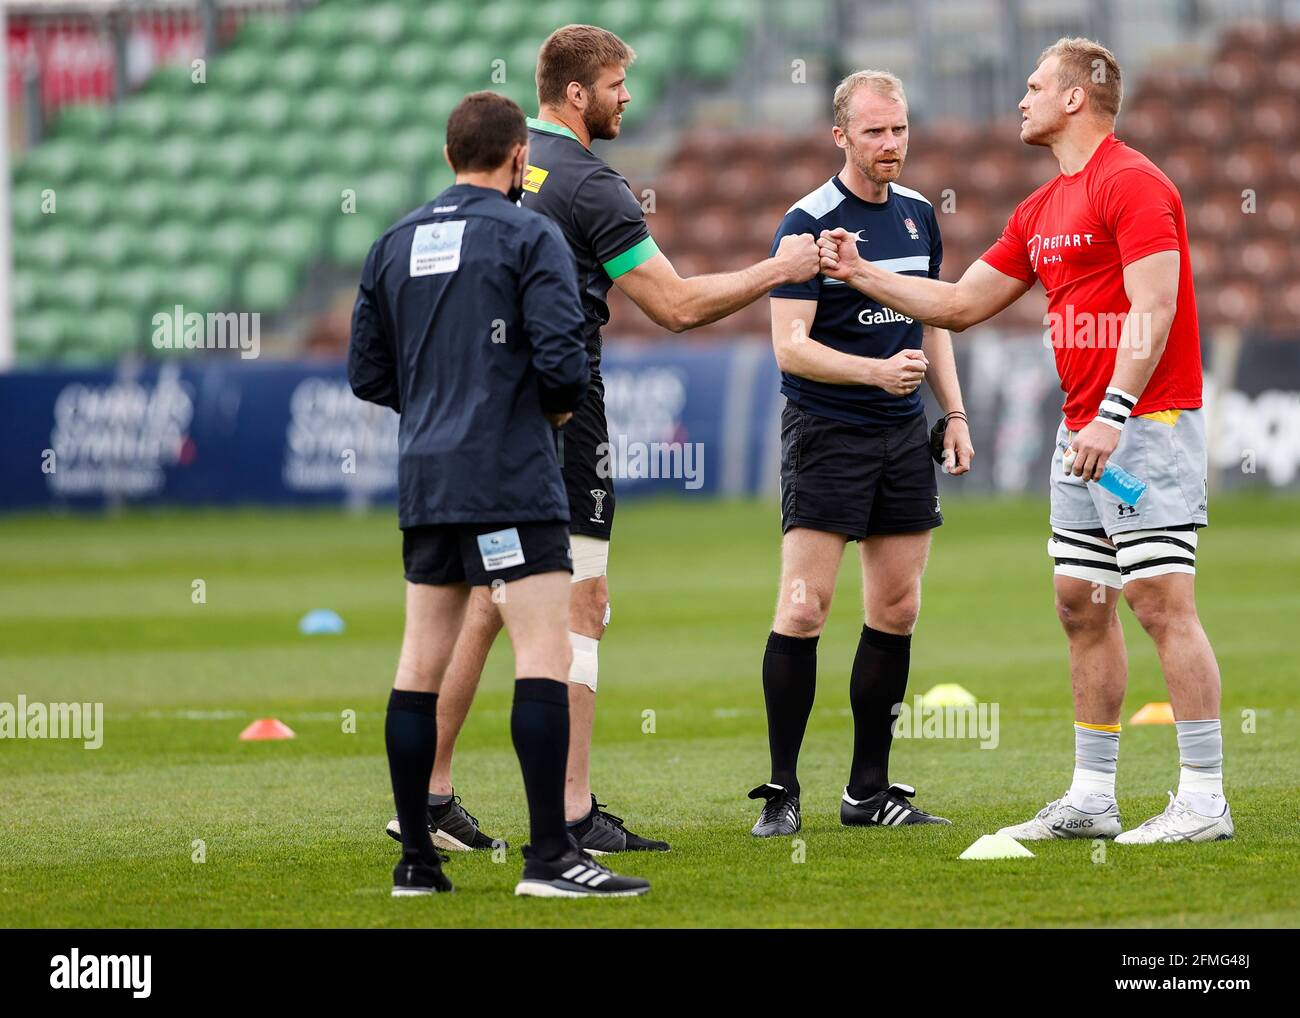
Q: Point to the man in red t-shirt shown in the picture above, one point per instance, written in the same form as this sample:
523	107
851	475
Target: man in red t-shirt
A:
1107	238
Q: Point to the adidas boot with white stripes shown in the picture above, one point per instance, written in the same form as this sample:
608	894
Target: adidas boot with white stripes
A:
889	808
574	875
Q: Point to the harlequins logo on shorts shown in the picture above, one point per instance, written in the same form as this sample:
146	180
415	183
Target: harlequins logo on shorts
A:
599	496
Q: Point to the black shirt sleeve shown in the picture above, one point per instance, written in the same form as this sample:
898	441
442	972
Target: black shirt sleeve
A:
552	315
372	363
609	216
797	221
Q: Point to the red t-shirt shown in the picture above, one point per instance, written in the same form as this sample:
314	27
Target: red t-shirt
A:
1076	234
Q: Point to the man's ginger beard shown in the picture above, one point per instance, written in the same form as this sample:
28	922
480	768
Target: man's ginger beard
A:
867	168
599	120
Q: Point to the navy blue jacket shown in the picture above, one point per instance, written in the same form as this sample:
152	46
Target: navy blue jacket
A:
468	324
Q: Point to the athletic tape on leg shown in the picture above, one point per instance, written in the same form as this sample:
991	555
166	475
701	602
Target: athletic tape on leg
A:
585	664
1143	554
1084	556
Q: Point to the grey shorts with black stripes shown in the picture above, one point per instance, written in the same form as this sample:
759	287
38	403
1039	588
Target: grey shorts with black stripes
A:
1098	538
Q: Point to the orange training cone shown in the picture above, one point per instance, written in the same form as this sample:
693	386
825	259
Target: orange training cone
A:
266	728
1153	714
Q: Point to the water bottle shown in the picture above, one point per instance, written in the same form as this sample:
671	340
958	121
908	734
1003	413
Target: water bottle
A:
1123	485
1118	481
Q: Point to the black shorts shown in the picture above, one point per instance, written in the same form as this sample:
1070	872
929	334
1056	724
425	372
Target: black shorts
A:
583	461
856	480
482	553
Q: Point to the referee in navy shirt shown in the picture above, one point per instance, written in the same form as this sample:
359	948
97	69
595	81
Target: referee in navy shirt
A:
855	457
468	324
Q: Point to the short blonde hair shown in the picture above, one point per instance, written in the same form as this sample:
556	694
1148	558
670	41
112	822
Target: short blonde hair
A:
881	82
1086	64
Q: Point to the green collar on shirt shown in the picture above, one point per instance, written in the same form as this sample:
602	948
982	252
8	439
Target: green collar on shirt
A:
546	125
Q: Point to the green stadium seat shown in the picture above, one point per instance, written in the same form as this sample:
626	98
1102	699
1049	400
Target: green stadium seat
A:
382	25
204	200
437	181
141	203
84	204
112	331
445	23
234	156
55	162
386	194
114	246
295	154
237	71
232	241
356	67
267	34
328	26
175	243
352	152
207	114
261	198
144	118
352	236
205	288
40	336
83	121
296	70
469	65
413	66
50	247
417	147
118	159
267	286
714	52
294	241
327	109
385	108
176	157
267	114
138	285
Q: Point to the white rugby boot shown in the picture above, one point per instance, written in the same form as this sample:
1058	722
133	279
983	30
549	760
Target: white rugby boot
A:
1058	819
1179	822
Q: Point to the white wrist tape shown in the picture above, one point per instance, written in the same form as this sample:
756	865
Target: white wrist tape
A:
1116	407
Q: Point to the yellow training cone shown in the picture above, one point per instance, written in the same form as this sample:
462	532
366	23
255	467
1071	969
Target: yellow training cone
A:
1153	714
948	694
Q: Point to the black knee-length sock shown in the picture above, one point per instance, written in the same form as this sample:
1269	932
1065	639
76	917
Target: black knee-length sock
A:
539	726
878	683
411	735
789	686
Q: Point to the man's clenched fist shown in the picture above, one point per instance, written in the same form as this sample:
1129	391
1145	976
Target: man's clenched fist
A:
797	257
839	253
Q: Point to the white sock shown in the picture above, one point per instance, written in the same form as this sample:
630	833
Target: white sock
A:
1087	785
1200	775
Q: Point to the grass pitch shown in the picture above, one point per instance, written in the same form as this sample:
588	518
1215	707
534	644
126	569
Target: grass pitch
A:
291	833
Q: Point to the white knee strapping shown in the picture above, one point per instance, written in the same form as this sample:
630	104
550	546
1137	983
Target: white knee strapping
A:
1146	553
584	665
590	557
1085	557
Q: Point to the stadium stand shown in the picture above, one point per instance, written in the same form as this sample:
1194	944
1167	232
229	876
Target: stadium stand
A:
226	195
1246	105
221	195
